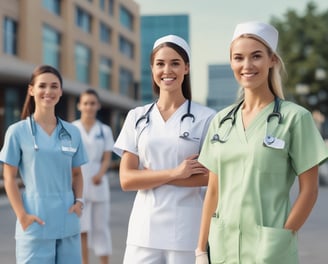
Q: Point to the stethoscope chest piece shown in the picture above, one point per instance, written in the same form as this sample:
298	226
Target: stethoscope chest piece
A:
184	134
268	140
274	142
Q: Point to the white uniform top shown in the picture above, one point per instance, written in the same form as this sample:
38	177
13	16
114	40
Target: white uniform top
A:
166	217
97	141
46	174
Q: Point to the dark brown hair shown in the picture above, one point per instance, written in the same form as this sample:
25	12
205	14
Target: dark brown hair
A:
90	91
29	104
186	86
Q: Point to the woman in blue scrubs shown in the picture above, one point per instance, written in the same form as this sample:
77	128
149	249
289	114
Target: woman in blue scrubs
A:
47	152
253	161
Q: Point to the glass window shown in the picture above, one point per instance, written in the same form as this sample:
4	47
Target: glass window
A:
83	19
126	82
52	6
105	73
105	33
51	46
111	7
126	47
9	36
126	18
82	63
12	106
102	4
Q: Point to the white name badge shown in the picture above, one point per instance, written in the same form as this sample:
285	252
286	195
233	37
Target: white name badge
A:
273	142
68	149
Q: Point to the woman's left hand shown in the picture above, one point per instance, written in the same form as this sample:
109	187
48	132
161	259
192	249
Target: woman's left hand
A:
96	179
77	208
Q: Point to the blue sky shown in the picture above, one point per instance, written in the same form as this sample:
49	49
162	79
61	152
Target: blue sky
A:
212	25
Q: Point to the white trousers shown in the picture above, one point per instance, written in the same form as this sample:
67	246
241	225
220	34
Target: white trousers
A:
95	221
142	255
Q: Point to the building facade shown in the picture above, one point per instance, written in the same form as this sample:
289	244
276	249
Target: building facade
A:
93	43
222	86
152	28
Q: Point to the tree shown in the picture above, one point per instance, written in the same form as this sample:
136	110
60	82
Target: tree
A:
303	45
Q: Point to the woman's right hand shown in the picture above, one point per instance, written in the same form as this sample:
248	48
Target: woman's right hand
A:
188	167
28	219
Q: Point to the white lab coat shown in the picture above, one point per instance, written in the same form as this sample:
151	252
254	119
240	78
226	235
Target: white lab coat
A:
97	141
166	217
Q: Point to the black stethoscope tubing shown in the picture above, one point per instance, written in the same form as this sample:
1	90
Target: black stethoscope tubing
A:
232	116
62	131
147	113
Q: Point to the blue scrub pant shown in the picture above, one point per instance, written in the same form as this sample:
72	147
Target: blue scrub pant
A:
49	251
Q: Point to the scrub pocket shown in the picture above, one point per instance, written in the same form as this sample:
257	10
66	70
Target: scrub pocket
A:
276	245
216	241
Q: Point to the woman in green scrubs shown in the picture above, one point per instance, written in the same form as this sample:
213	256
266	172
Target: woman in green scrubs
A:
254	158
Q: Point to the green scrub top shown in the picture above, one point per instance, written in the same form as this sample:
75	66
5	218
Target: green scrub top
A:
255	182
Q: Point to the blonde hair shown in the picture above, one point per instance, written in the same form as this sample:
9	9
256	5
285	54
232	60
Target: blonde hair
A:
275	73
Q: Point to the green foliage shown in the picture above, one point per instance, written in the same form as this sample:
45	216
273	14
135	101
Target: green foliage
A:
303	45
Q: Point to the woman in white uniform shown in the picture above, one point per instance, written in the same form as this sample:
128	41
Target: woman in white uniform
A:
48	153
254	151
159	145
98	141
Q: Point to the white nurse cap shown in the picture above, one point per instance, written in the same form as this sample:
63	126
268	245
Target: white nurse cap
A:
264	31
175	40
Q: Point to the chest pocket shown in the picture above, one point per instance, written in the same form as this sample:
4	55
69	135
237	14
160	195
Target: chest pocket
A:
190	137
268	159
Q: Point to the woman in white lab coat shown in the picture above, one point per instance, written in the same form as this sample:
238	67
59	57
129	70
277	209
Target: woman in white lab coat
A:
159	145
98	141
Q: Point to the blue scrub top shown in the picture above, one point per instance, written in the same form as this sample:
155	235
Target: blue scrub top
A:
46	174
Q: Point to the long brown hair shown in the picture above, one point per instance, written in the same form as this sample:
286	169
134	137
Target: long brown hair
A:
186	86
29	104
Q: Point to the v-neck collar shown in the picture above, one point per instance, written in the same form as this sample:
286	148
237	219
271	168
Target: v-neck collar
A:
255	124
39	128
174	116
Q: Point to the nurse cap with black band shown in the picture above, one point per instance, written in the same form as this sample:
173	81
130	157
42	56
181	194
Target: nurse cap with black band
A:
175	40
265	32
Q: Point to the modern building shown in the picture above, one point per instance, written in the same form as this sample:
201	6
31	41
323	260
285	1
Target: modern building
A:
222	86
93	43
152	28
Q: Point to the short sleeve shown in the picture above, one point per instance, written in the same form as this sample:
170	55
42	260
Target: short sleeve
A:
207	156
11	150
307	147
80	157
109	140
126	140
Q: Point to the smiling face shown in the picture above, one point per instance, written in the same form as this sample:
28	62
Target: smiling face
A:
168	69
46	90
250	61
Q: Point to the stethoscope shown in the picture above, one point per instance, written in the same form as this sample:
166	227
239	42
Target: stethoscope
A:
101	135
64	136
268	139
146	119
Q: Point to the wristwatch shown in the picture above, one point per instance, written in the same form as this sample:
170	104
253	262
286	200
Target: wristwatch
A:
81	200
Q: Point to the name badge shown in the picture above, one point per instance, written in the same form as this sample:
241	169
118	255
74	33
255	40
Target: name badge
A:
68	149
273	142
